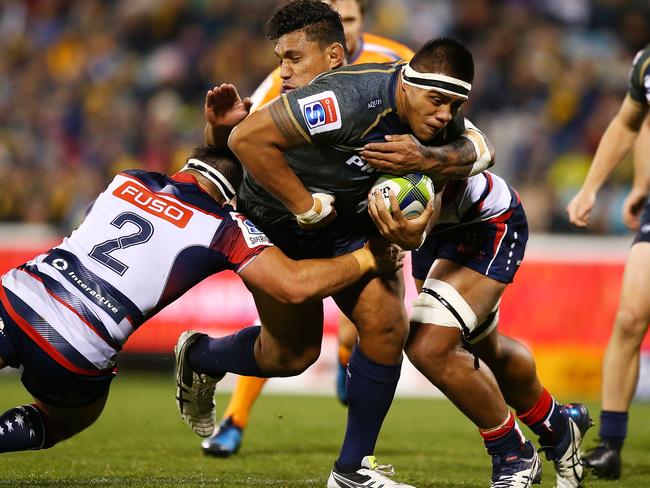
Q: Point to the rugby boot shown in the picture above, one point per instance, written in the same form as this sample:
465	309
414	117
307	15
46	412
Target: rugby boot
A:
517	469
341	388
566	455
194	391
225	441
604	461
370	474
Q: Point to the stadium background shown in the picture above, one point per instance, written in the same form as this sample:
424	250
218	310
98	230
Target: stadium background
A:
90	87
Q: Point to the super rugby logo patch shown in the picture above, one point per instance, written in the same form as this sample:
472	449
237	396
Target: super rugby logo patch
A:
321	112
252	235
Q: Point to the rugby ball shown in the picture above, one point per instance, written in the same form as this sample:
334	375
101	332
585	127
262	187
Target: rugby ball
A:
413	192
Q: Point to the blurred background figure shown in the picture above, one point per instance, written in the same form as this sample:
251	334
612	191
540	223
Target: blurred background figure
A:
111	83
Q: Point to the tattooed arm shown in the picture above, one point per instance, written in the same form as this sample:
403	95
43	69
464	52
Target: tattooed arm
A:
465	156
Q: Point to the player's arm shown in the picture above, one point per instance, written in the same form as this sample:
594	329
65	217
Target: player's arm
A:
223	110
635	200
294	282
614	145
260	141
466	155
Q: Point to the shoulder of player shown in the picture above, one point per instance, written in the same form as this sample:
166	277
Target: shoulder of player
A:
375	44
357	70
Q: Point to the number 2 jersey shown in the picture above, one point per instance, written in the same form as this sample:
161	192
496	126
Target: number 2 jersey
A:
147	239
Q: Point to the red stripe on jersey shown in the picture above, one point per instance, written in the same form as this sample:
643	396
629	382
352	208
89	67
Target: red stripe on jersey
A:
501	228
173	197
43	344
107	340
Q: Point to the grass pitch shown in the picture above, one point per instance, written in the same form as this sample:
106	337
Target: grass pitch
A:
291	443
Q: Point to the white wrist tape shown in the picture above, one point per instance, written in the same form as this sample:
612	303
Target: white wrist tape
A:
483	156
321	208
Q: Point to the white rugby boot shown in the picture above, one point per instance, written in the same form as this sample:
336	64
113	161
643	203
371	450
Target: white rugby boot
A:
194	391
370	474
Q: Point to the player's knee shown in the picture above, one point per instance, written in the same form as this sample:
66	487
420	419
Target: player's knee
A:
292	362
432	355
630	325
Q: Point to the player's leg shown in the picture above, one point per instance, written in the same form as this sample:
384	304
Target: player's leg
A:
560	428
376	307
347	339
65	403
621	362
285	345
454	302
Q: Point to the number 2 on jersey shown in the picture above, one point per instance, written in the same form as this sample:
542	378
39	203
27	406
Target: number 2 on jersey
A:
101	252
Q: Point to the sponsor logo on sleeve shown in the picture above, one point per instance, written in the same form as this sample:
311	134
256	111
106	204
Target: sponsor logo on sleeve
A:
252	235
321	112
153	204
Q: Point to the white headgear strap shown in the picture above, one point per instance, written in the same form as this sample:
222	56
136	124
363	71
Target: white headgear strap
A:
219	180
436	81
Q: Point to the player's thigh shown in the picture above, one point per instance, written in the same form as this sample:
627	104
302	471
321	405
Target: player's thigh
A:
285	326
376	307
635	289
71	420
347	331
479	291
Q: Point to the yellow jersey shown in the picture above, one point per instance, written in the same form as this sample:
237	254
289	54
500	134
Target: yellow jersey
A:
373	49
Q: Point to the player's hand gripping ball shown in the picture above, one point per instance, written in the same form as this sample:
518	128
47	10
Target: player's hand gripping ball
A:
412	191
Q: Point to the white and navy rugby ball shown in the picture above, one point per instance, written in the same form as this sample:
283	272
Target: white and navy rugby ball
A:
413	192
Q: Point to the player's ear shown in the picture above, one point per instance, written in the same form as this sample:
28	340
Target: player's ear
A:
337	55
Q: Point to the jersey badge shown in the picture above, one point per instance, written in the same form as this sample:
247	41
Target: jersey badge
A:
252	235
321	112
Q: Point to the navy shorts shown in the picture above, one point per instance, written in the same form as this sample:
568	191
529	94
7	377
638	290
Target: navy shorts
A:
493	247
643	234
44	378
333	240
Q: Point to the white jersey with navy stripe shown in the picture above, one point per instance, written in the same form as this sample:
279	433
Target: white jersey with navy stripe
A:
478	198
147	239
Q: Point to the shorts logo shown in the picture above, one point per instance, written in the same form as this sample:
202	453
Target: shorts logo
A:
321	112
645	228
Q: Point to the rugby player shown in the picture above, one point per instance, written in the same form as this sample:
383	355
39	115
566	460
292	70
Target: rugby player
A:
622	357
301	60
320	129
148	239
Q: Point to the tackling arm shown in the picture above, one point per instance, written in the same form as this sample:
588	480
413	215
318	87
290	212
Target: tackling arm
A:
294	282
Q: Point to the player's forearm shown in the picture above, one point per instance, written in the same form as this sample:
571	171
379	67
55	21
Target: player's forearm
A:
266	163
642	159
215	136
612	149
466	156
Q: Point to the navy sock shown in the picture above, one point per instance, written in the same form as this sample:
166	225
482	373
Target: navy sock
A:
371	388
613	428
231	354
21	429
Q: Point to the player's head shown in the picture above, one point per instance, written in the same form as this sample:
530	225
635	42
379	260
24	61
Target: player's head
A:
309	40
434	85
352	12
219	167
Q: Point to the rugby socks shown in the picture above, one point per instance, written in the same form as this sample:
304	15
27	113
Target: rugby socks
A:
546	420
247	389
21	429
231	354
505	438
613	428
371	388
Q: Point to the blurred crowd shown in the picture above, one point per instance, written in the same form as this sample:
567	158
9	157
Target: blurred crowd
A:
90	87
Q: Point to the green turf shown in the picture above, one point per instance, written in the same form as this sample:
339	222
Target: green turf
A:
292	441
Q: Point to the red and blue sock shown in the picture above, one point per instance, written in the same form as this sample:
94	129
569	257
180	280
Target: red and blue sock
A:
546	419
